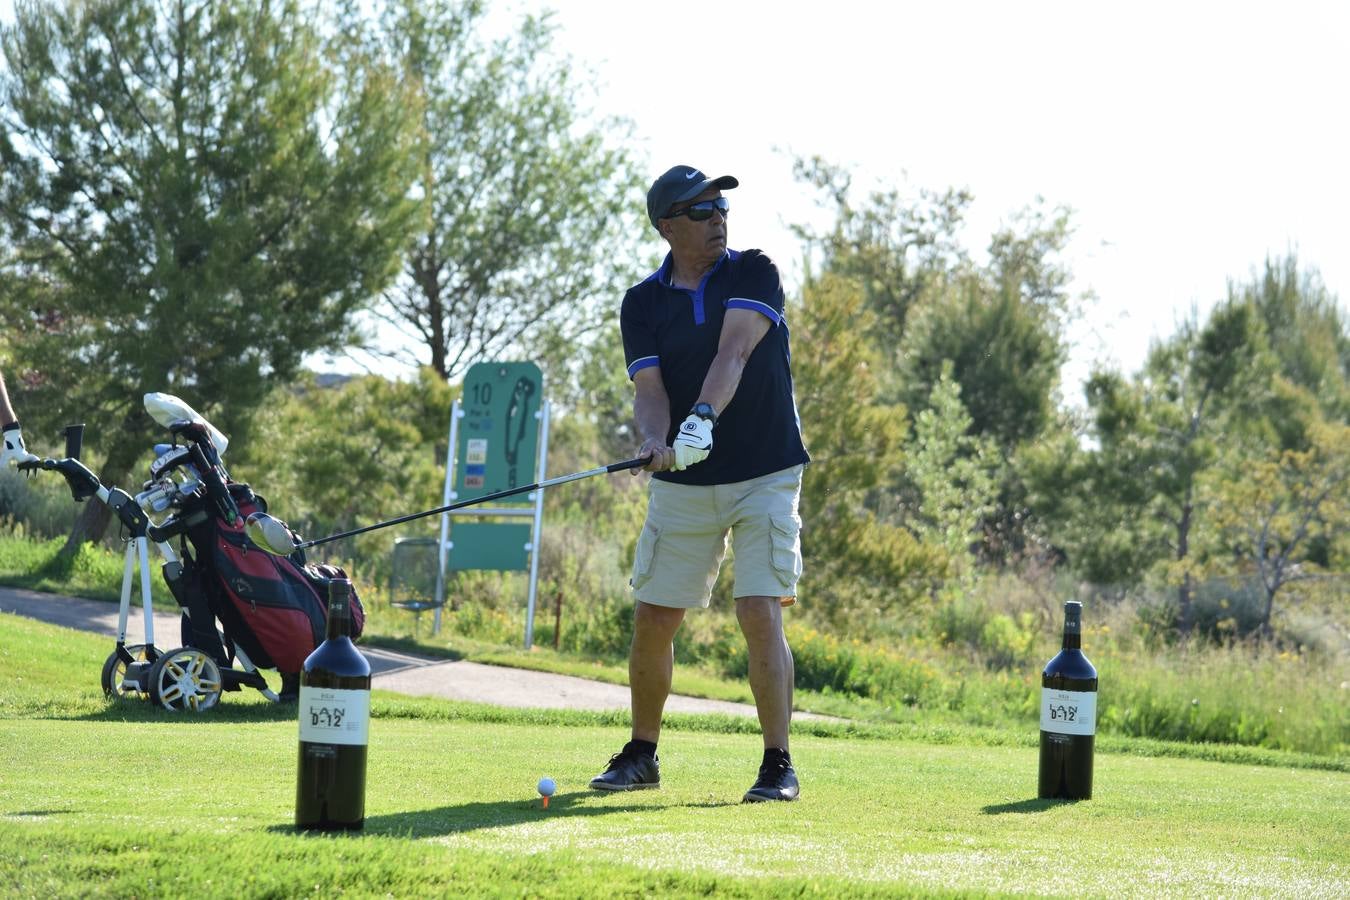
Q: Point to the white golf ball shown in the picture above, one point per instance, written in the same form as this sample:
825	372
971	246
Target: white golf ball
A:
547	787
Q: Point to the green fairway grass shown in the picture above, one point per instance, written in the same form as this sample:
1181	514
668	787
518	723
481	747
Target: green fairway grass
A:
117	799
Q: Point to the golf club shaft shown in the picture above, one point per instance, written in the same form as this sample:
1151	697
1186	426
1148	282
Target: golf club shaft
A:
635	463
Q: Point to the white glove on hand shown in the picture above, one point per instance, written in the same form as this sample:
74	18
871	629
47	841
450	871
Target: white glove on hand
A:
14	451
693	443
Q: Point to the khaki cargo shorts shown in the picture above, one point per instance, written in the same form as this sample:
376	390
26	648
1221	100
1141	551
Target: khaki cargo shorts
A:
684	540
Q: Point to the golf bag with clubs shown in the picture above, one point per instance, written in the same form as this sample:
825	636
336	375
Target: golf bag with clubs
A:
271	609
274	608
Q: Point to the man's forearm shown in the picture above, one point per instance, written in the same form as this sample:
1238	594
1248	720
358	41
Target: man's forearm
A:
6	410
724	376
741	332
652	415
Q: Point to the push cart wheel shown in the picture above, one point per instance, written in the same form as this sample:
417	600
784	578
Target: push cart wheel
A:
185	679
115	673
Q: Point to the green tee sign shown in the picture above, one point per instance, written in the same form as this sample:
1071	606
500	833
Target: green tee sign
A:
499	432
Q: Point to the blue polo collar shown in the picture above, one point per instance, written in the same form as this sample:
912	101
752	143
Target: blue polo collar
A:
662	277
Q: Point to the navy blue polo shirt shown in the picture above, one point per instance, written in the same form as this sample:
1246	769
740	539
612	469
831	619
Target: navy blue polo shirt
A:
678	330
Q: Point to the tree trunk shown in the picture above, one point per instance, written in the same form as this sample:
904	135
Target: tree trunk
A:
1266	631
436	315
1184	623
1184	618
90	526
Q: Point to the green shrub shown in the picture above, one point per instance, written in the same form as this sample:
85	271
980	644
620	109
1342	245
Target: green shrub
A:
960	621
94	571
483	623
41	506
896	677
601	629
708	639
1224	608
1006	644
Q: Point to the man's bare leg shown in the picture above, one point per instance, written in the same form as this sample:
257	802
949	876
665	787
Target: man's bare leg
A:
651	665
771	668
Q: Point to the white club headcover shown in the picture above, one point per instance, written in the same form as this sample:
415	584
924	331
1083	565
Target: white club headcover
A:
167	409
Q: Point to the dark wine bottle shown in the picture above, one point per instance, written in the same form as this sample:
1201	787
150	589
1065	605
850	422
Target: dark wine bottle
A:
1068	716
330	784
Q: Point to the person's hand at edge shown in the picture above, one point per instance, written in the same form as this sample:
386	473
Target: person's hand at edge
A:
14	450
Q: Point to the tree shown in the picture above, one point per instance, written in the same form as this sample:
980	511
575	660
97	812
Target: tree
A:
1001	330
191	204
332	459
855	559
529	205
1309	339
1274	508
1304	324
1159	434
1000	324
598	394
954	472
1177	462
897	249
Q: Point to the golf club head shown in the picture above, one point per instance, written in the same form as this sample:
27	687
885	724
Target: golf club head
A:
269	534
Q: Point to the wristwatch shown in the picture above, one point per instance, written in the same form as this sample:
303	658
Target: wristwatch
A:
704	411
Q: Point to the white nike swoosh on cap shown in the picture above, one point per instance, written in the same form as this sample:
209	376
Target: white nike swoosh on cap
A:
691	176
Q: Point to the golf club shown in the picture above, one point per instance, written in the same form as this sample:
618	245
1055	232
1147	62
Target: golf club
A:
274	537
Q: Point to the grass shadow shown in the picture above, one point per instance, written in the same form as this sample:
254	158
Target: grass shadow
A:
126	709
466	817
1033	805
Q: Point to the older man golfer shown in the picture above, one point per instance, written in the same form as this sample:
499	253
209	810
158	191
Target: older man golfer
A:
707	350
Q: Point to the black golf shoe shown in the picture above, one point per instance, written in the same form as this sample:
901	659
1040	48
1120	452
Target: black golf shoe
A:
777	781
629	770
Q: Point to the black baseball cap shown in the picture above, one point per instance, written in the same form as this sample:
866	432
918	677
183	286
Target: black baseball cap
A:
679	184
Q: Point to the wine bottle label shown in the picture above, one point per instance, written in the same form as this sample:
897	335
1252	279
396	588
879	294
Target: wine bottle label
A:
331	716
1068	712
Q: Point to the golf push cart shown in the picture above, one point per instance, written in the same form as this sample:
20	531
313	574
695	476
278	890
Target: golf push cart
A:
270	608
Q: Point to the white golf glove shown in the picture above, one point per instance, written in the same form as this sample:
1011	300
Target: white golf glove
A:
14	451
693	443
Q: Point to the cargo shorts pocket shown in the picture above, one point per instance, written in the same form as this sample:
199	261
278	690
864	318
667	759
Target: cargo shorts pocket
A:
786	535
645	555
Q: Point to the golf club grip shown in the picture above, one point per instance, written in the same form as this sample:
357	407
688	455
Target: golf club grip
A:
486	498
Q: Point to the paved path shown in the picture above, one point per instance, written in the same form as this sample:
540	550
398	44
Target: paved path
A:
391	671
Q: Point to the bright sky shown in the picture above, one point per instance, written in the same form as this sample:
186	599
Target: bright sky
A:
1191	139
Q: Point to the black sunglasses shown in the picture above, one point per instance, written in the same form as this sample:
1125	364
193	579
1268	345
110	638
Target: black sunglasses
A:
702	212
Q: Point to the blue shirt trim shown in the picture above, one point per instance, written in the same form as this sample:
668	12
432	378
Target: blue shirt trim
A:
763	308
643	363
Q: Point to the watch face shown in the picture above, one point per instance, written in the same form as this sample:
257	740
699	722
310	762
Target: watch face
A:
705	410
